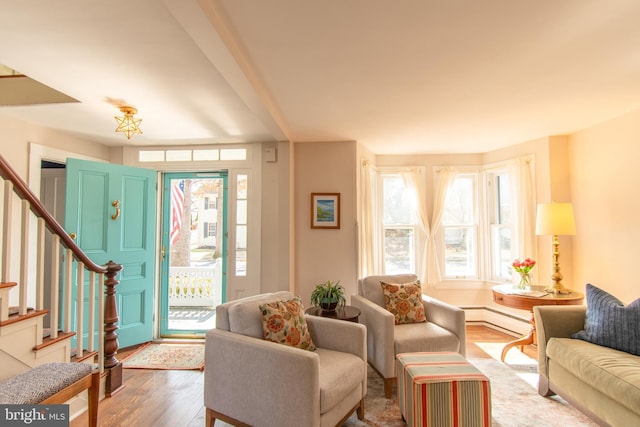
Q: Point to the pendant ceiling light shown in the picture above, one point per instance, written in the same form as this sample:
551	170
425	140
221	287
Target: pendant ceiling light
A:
127	124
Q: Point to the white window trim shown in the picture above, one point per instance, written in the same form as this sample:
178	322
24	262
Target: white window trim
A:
452	282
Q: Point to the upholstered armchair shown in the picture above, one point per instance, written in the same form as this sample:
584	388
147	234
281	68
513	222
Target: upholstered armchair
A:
444	329
250	381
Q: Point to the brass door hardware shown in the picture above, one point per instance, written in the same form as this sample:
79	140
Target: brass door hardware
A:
116	204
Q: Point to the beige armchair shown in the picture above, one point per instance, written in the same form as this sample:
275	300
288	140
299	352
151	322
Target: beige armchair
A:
249	381
444	329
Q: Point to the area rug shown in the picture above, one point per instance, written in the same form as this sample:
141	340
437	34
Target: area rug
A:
166	356
515	402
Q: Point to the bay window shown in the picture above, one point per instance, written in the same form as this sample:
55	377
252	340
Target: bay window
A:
470	228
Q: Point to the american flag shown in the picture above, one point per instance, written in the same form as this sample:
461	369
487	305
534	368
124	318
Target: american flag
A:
177	206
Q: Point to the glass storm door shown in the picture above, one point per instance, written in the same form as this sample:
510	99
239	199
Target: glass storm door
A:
193	252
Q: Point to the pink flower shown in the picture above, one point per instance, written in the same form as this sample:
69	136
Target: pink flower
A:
523	266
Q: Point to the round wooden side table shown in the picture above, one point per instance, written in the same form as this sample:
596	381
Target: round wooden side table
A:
511	297
345	312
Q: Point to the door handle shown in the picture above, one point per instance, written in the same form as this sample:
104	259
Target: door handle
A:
116	204
72	235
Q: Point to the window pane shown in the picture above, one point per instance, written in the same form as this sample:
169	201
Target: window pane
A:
241	250
242	181
241	263
398	226
205	155
242	187
501	225
459	204
233	154
241	215
399	250
460	252
178	155
397	203
504	199
151	156
501	251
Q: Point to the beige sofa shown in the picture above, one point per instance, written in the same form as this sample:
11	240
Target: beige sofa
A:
249	381
601	382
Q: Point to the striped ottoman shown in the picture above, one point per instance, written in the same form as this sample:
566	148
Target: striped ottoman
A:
442	389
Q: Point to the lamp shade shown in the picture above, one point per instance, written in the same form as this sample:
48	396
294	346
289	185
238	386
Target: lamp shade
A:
555	219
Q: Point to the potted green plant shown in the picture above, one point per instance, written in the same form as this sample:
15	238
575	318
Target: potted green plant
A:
328	296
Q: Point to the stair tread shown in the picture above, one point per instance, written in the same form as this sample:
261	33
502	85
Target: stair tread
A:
14	317
50	341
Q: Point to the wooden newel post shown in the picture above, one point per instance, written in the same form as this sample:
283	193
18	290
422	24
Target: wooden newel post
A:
111	364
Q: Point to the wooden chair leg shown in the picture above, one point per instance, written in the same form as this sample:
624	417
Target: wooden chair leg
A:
210	418
360	410
388	387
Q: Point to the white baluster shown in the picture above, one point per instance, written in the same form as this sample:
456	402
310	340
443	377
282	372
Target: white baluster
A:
80	310
68	262
91	346
40	264
54	310
6	232
24	258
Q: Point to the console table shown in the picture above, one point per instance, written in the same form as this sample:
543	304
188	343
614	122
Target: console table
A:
345	312
511	297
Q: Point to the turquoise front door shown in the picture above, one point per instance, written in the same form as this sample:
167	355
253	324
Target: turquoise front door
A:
112	211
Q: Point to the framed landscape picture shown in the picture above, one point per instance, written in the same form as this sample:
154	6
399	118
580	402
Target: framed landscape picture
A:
325	210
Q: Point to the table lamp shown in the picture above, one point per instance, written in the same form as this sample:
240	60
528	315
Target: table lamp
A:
555	219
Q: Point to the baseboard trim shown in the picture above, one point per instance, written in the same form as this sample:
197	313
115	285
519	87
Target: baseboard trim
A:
496	319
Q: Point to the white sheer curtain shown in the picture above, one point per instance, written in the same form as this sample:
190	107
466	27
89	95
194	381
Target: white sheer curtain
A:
444	179
414	180
522	187
367	247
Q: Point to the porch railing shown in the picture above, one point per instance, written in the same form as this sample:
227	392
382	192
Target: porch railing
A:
195	286
32	225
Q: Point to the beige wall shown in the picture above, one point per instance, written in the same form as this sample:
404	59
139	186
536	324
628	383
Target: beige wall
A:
275	222
15	136
330	254
605	175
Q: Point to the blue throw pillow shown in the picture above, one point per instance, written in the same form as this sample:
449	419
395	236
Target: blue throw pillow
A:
609	323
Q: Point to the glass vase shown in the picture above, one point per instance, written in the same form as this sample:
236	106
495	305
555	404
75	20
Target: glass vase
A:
525	281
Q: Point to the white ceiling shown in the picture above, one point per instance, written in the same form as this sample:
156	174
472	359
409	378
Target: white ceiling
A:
407	76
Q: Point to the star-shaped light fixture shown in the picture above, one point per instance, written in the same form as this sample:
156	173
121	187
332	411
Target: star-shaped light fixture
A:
128	124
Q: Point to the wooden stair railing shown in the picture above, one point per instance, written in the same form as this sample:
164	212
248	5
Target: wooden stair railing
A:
107	313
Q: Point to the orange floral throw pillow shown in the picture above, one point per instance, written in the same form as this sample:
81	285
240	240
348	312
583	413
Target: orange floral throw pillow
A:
404	301
284	322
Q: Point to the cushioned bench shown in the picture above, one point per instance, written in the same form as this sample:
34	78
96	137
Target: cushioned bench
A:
442	389
54	383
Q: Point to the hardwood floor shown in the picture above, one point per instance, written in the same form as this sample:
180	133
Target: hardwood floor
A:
174	398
